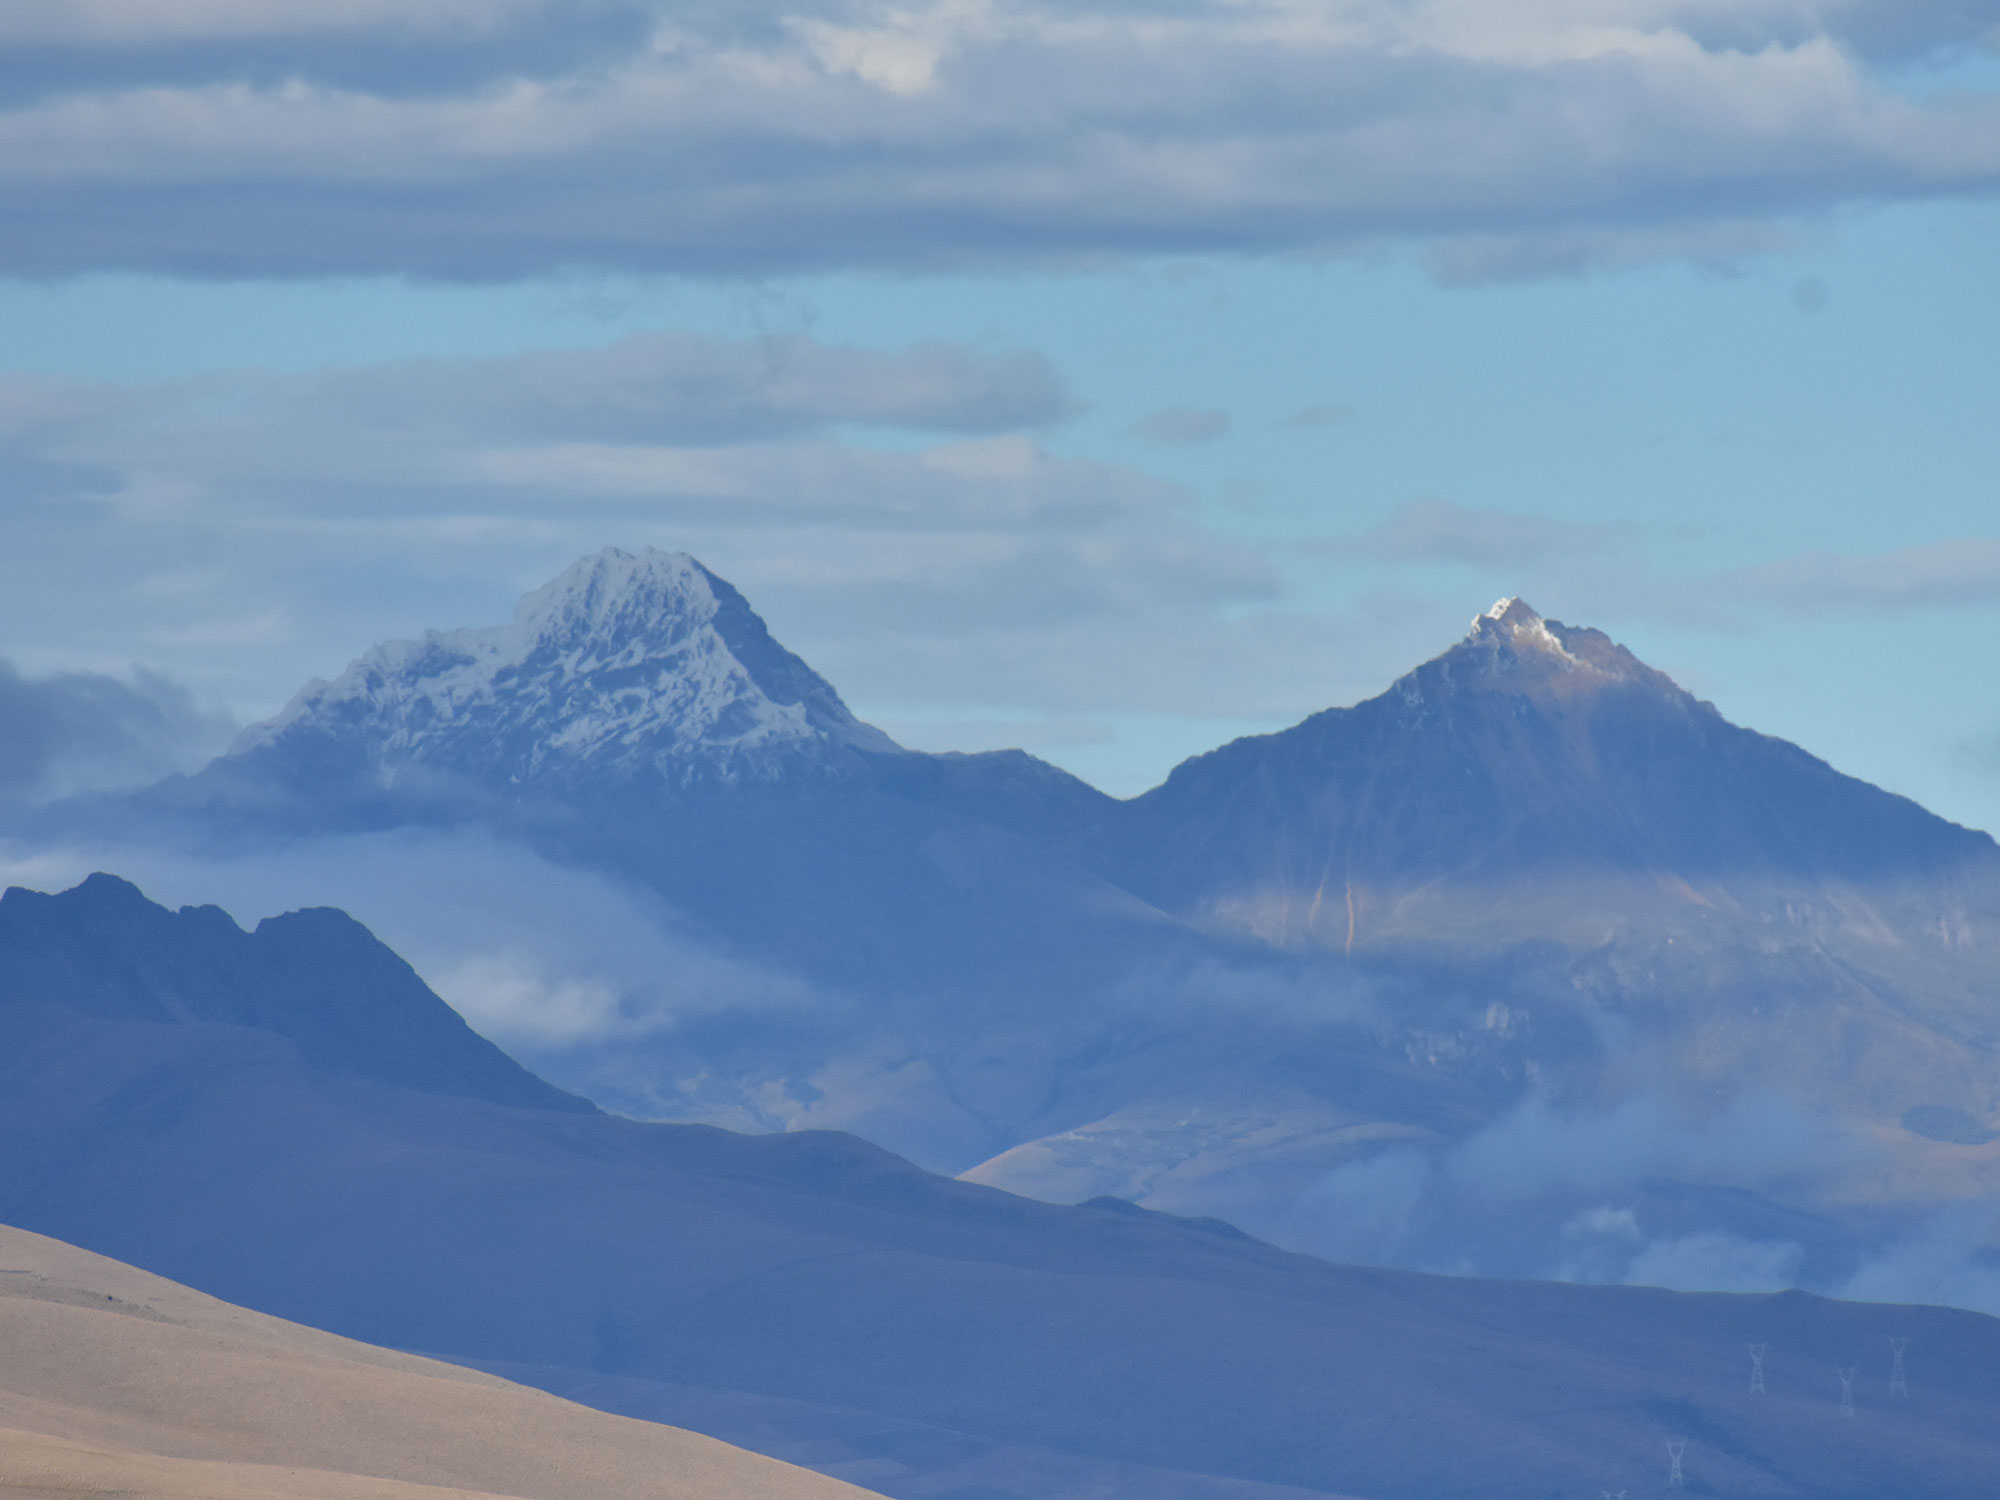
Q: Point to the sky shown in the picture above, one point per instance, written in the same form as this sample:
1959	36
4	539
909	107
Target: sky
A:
1110	379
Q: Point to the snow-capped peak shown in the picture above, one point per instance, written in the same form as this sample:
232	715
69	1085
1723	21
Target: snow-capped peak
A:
1514	621
623	663
1511	649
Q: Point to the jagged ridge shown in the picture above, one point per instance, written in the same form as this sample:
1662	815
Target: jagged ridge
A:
623	665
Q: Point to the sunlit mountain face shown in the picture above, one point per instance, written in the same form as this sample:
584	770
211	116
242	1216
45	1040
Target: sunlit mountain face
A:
1533	964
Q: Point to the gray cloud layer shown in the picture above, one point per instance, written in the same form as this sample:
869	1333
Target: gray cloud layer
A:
895	512
1603	566
81	731
486	138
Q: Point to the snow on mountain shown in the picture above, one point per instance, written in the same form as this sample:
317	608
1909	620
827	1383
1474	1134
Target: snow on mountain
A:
624	665
1512	648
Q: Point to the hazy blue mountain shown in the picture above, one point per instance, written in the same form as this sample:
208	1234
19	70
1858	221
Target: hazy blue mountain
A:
634	668
816	1297
318	978
1570	842
1530	751
1531	897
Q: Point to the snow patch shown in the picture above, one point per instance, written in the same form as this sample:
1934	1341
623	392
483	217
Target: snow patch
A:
618	661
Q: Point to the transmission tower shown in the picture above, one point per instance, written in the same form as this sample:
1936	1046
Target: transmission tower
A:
1846	1375
1898	1384
1675	1448
1757	1353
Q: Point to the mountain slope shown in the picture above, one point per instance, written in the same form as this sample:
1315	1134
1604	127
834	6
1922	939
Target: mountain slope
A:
811	1285
646	667
1530	750
317	978
116	1381
1539	813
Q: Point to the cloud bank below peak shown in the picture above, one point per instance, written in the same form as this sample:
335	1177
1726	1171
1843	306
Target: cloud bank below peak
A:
71	732
482	139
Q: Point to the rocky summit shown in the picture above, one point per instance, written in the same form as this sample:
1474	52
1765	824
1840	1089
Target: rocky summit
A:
624	666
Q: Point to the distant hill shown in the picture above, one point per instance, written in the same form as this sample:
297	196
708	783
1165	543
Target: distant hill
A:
821	1300
318	978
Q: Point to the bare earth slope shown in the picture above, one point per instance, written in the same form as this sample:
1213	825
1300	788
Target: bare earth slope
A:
114	1380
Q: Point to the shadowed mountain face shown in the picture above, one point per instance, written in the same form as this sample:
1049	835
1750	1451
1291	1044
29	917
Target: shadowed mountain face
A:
820	1299
317	978
1530	751
1538	799
1309	983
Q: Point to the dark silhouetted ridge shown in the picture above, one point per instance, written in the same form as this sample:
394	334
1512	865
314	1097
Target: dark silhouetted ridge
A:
317	977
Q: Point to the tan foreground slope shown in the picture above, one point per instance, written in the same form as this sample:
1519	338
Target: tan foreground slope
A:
116	1381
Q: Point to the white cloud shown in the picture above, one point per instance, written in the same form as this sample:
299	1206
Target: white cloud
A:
1441	531
840	132
505	996
1713	1260
1951	1259
543	958
126	22
1539	1147
251	529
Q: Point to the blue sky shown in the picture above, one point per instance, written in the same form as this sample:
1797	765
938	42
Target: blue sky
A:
1035	394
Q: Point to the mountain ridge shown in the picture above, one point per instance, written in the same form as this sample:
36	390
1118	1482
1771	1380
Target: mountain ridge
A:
1533	873
826	1301
315	976
624	664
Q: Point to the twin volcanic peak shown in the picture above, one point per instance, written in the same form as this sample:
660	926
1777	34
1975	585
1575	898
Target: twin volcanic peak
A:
622	666
1529	744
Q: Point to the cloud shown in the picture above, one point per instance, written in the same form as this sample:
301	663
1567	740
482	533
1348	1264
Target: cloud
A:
1327	414
504	995
1713	1260
1952	1259
1182	424
1363	1211
1539	1147
1601	569
1420	531
496	138
84	731
894	512
664	386
545	959
1939	574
